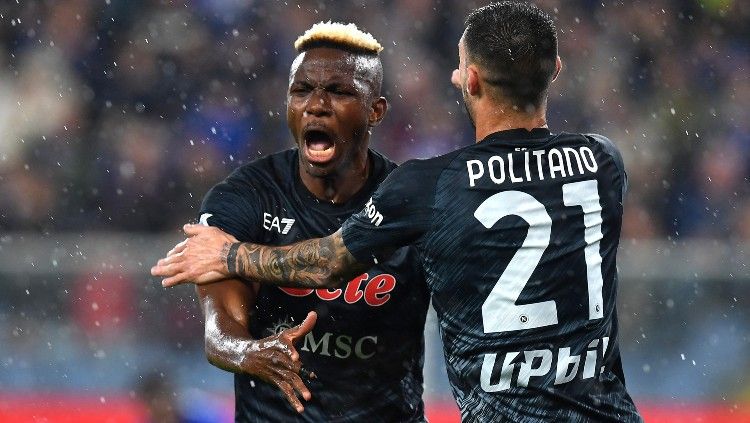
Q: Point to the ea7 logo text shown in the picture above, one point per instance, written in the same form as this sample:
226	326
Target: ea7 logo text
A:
281	226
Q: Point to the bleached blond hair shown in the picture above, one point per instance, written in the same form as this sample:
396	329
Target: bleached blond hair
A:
338	34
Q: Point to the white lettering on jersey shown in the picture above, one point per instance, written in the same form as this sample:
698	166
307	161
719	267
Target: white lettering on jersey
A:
342	346
281	226
553	163
375	217
331	344
204	219
538	366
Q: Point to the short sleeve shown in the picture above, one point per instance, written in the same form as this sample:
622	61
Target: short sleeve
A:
610	148
233	208
397	214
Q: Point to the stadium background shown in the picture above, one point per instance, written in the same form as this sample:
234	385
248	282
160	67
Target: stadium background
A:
117	116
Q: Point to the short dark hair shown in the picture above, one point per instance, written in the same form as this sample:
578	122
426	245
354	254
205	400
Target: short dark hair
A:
516	44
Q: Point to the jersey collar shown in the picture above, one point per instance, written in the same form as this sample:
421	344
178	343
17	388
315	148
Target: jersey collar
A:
377	174
519	134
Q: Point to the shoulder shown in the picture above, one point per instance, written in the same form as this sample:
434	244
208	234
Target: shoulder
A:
608	147
275	166
605	143
416	179
260	174
253	179
382	160
381	165
425	173
600	139
432	166
235	204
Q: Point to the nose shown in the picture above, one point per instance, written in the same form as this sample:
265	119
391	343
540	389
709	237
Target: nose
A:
318	103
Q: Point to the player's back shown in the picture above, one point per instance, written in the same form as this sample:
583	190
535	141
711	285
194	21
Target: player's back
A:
520	259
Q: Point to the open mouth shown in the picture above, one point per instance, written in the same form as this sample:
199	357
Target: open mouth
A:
319	145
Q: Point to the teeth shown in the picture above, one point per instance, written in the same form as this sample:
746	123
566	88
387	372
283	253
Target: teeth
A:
320	154
318	147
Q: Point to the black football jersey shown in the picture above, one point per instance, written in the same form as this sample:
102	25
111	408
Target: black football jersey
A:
518	235
367	346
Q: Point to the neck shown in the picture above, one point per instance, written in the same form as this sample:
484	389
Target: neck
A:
491	117
341	185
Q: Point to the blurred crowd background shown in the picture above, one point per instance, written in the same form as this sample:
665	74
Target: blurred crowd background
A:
117	116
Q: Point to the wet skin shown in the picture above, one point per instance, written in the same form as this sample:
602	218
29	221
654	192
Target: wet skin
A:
331	106
332	103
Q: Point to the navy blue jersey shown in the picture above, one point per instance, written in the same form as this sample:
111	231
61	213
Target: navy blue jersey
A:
367	346
518	236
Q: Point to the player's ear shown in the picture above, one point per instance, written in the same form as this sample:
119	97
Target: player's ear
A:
377	111
558	68
472	80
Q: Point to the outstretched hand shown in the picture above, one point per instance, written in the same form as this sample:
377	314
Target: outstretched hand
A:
199	259
276	361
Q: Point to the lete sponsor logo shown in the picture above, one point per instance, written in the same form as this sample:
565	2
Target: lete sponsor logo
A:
376	291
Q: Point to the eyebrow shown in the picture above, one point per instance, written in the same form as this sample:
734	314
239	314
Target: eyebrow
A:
336	79
327	85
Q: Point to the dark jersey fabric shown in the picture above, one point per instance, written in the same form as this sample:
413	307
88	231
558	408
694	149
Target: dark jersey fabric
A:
520	262
367	346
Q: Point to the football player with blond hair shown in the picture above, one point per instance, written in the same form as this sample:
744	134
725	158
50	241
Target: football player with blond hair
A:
363	356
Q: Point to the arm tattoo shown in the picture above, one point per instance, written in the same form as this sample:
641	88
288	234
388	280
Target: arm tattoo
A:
231	257
316	263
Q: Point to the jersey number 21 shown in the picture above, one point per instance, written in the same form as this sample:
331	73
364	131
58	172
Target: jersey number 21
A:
500	313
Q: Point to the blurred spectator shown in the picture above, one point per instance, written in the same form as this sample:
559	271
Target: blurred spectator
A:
103	305
152	103
159	396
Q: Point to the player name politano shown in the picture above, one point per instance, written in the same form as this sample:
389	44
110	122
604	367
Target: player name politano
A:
538	165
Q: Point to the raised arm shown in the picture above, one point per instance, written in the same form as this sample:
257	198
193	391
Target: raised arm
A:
398	214
210	255
315	263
